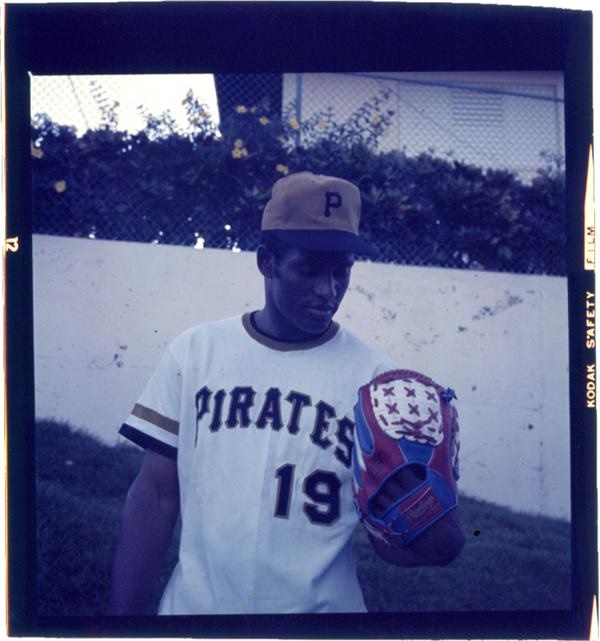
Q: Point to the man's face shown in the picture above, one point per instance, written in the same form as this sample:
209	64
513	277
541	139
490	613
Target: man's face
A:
306	290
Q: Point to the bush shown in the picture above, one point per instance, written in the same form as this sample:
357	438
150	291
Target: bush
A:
172	186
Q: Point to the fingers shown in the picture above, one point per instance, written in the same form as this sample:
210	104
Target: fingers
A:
389	493
411	476
395	487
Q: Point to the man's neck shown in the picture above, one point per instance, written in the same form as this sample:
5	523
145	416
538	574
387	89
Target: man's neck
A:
279	329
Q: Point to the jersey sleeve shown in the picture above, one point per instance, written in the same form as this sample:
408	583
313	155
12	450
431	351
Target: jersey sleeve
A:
154	420
385	364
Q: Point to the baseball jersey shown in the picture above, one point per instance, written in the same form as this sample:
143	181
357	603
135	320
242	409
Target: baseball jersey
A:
262	432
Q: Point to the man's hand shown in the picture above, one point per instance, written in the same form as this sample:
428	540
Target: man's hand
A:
405	463
438	545
149	517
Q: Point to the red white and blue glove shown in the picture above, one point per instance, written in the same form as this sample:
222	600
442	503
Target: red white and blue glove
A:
404	421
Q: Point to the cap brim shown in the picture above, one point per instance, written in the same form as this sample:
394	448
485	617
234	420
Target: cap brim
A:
324	240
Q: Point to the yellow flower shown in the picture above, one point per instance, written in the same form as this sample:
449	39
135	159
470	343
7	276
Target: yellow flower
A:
375	119
60	186
241	109
282	169
238	143
36	152
294	124
239	152
263	120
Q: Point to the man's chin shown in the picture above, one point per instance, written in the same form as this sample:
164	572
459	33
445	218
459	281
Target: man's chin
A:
317	325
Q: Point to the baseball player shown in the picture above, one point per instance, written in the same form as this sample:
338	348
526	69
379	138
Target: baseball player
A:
248	425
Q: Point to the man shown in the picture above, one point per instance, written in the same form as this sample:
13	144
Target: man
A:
248	430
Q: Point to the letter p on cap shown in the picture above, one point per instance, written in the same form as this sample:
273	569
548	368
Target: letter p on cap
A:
333	200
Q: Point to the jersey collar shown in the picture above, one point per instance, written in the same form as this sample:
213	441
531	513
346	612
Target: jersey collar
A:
286	346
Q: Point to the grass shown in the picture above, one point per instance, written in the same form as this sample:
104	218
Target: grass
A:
511	561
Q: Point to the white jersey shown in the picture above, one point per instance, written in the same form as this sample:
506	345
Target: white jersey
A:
262	432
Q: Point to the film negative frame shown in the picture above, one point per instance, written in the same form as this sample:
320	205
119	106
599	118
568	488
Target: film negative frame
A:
142	38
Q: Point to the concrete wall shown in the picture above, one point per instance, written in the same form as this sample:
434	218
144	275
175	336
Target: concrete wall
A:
104	311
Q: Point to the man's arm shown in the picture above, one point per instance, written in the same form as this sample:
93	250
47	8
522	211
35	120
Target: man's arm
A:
438	545
149	517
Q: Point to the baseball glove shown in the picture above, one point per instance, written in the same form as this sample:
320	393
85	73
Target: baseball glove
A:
404	420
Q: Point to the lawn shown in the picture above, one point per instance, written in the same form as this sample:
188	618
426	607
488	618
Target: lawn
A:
511	561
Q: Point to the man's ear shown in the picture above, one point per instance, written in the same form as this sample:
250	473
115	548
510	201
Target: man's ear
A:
265	260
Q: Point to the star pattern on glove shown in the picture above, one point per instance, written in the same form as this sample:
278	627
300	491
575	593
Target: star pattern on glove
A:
413	414
414	409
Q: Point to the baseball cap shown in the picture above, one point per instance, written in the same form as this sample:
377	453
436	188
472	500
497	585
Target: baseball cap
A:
316	212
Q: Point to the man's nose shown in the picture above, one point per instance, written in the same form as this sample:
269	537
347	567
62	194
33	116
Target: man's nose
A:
326	285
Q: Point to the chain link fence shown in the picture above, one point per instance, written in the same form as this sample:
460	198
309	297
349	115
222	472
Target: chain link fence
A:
494	120
456	170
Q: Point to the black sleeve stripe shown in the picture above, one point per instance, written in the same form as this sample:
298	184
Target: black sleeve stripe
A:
148	442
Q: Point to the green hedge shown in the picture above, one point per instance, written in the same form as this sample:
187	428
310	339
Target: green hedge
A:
166	185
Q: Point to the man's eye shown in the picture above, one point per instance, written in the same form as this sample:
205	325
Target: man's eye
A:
307	270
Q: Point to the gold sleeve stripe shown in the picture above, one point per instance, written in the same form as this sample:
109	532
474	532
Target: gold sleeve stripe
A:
155	418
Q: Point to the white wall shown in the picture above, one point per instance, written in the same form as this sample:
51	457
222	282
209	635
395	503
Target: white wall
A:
104	311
